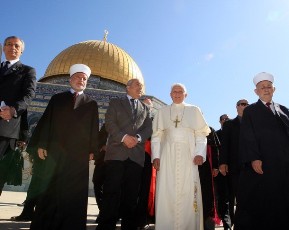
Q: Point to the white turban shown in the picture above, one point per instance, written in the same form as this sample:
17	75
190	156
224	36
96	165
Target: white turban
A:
80	68
263	77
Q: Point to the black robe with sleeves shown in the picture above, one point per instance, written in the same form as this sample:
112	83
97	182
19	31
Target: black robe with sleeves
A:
68	133
263	199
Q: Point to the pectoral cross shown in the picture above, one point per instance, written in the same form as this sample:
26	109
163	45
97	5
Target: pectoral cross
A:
176	122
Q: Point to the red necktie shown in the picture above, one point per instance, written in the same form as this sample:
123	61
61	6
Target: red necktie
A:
268	106
75	94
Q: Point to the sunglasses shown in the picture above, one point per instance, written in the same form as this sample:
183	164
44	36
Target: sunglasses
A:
243	104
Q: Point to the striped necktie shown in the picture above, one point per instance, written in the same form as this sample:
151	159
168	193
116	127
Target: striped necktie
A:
134	108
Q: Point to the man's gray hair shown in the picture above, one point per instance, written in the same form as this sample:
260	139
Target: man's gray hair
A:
130	81
10	37
180	85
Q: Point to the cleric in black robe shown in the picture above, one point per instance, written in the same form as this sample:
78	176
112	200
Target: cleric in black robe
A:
207	171
263	196
67	141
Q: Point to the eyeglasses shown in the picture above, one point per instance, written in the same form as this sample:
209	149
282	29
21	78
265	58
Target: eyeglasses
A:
243	104
17	46
225	119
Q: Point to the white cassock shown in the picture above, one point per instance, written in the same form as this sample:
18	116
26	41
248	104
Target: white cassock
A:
178	190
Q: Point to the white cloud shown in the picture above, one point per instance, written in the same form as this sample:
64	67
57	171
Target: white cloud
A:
209	56
274	16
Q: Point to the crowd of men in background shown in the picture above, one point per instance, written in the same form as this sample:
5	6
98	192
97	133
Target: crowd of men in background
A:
172	169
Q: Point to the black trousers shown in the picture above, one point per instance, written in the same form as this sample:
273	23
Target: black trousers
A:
222	197
120	194
207	194
7	146
35	188
233	181
5	163
98	181
142	207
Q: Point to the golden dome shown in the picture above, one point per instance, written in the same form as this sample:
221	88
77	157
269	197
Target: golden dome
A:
104	59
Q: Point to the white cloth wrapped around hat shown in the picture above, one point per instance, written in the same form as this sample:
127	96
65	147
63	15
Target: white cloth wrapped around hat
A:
80	68
263	76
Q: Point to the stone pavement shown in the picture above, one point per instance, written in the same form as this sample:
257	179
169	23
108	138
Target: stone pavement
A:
9	208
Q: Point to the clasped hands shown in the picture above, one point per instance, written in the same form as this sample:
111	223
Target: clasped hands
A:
7	112
130	141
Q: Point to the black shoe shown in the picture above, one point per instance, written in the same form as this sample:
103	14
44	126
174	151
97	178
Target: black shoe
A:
97	220
21	218
145	227
21	204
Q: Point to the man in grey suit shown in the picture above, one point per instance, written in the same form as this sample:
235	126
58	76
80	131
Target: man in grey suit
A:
17	89
129	125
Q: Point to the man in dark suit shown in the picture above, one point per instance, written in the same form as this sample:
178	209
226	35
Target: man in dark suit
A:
99	166
221	183
67	140
129	125
229	164
207	172
17	89
263	196
35	188
142	211
15	161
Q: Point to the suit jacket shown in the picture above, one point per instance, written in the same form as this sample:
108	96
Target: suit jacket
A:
219	134
214	143
24	127
17	89
99	156
119	121
229	153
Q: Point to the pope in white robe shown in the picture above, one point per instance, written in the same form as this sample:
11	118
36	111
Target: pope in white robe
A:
178	147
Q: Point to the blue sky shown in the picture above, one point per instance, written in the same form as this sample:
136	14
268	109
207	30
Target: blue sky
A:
214	47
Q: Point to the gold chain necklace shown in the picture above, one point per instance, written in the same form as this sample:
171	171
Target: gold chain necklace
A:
176	121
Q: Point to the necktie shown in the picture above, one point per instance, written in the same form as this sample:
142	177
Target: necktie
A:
268	106
5	66
134	109
75	94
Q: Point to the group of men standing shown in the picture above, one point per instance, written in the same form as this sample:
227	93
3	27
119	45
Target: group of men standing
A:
253	162
253	159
